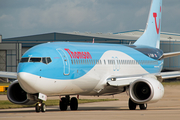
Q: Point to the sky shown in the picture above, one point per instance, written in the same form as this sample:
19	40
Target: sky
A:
29	17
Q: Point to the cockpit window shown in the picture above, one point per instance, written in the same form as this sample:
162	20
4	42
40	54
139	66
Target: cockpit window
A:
49	60
35	59
45	60
24	59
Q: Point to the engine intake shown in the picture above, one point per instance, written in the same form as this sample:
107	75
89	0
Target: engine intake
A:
142	90
17	95
146	90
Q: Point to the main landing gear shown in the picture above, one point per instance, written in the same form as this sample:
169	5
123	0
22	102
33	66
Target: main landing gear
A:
132	105
66	101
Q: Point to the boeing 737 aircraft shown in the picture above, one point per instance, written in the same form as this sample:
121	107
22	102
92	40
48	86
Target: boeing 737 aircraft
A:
94	69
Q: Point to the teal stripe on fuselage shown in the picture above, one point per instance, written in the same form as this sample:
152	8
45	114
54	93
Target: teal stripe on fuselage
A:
55	69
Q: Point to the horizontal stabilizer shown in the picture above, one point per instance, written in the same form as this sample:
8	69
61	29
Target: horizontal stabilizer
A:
171	54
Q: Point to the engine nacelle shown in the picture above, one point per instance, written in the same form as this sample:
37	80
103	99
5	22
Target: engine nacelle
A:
17	95
146	90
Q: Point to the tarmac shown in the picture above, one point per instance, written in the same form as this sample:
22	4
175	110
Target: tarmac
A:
168	108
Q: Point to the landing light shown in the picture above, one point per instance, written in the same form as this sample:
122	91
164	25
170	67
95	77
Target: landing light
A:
113	79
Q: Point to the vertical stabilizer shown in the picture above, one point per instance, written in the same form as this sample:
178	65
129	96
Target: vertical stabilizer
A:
151	35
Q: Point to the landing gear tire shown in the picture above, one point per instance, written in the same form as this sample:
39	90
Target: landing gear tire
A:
74	103
63	104
132	105
38	107
143	106
43	107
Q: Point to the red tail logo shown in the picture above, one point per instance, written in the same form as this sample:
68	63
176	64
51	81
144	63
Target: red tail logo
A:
157	27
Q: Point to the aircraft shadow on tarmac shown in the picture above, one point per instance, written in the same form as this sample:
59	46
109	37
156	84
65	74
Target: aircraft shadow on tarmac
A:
55	109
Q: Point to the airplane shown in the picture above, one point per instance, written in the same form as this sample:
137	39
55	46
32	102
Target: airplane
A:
93	69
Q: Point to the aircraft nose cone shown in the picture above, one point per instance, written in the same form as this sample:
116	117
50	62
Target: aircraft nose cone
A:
27	82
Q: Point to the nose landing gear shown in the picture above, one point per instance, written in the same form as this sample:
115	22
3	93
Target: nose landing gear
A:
40	107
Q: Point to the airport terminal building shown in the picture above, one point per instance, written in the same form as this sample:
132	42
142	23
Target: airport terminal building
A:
11	49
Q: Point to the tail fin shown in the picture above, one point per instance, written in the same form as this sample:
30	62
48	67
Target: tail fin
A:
151	35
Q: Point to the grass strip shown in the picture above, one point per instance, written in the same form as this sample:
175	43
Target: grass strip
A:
4	84
5	104
171	83
3	93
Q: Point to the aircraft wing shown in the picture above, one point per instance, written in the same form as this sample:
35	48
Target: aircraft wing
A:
168	75
125	81
12	75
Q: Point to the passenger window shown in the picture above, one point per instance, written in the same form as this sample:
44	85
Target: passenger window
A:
72	61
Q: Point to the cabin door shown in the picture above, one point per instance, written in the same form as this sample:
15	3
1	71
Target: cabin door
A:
65	60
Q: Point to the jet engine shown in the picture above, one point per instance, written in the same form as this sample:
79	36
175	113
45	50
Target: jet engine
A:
146	90
17	95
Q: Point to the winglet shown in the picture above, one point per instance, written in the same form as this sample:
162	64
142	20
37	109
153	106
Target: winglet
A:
151	35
